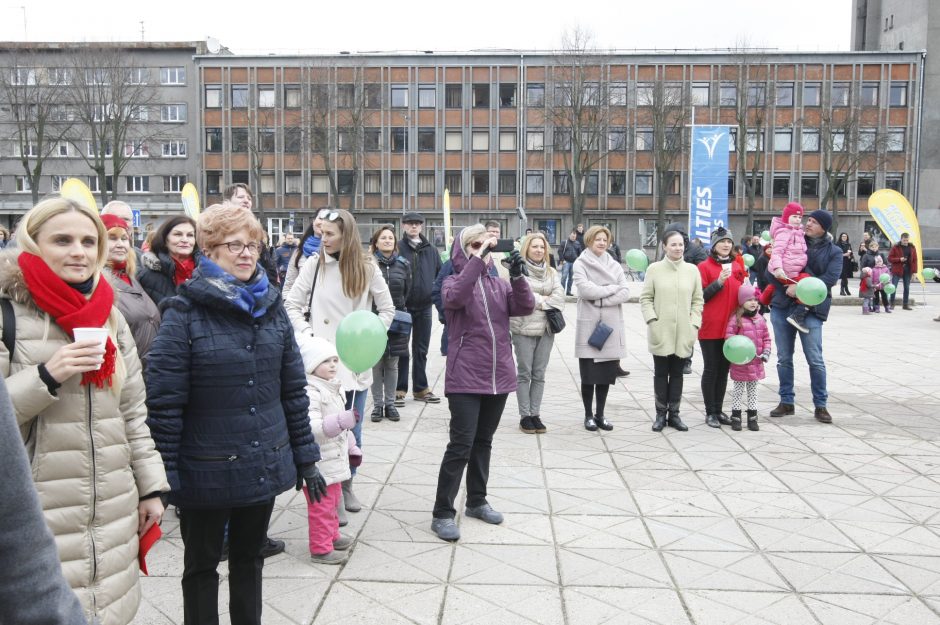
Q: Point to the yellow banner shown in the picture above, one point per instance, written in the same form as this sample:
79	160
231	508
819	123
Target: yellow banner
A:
895	216
75	189
448	237
190	197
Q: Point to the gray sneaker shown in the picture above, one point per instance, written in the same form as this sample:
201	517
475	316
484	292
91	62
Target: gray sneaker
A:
446	529
485	513
343	543
333	557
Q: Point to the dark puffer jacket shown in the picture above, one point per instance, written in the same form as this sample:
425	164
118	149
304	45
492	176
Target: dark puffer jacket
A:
227	399
397	273
425	265
156	275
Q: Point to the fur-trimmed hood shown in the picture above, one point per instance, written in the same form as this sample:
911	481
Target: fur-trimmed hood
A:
12	283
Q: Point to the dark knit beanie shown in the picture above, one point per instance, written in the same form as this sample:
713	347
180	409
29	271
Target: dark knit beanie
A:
823	218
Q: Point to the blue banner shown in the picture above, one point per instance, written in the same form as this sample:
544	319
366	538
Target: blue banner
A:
708	199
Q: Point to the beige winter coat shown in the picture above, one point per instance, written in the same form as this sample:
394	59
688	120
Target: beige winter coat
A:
91	453
602	289
330	306
549	293
326	398
672	304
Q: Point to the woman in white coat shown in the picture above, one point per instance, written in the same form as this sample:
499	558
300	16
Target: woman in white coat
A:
340	280
531	336
602	289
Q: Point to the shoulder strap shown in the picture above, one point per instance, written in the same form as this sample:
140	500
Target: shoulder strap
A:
313	288
9	326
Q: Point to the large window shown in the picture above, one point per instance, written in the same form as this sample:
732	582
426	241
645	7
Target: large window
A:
267	97
507	140
781	186
809	186
426	183
616	139
372	139
480	140
728	94
812	94
869	94
426	140
213	96
507	183
173	184
784	94
453	140
398	139
700	93
840	93
453	182
481	96
239	96
427	96
173	113
865	185
239	139
174	149
293	182
293	97
535	140
534	183
137	184
399	96
267	139
535	95
213	140
783	140
643	183
897	96
644	139
480	182
809	140
867	139
616	183
293	140
895	140
453	96
561	139
172	75
372	96
560	183
507	95
756	94
345	96
213	182
617	94
319	183
895	181
372	183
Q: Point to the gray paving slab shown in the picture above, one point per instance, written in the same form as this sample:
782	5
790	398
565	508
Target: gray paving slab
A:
798	523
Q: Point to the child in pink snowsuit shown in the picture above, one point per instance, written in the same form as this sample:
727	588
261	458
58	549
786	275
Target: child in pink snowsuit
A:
788	255
330	423
747	321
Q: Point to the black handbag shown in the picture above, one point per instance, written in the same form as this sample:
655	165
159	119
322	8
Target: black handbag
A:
402	323
556	320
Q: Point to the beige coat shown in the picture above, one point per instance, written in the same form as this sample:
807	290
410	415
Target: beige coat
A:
672	304
330	306
602	289
141	314
91	454
549	293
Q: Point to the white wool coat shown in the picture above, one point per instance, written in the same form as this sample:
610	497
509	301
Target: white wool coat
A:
602	289
327	398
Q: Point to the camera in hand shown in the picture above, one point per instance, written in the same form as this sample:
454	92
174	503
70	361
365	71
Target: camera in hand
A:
503	245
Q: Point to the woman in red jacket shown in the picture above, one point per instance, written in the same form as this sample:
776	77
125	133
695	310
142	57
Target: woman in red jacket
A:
722	275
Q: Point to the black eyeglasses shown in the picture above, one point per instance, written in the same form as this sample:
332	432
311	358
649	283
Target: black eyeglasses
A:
237	247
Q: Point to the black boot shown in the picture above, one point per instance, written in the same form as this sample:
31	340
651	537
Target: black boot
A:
711	420
723	418
377	414
660	421
603	423
736	420
589	424
659	386
675	422
752	421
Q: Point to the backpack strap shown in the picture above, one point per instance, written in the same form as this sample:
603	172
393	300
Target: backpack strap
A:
9	326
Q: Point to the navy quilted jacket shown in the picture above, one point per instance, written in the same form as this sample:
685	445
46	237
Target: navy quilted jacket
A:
227	399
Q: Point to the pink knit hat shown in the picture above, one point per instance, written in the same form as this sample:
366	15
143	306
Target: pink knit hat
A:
746	292
791	209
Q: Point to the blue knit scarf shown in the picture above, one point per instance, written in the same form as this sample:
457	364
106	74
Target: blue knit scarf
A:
243	295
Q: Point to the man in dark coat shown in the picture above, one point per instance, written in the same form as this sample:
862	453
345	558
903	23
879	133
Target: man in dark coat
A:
425	262
569	252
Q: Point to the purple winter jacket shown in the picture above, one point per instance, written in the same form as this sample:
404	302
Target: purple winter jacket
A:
754	328
477	308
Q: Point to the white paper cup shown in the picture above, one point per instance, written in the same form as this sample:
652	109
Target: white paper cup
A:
92	334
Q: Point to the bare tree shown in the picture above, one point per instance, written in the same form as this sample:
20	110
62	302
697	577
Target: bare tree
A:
37	118
116	111
752	106
261	145
664	107
850	139
335	112
580	113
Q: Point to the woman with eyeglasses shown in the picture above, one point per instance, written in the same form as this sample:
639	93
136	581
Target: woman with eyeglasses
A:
480	371
342	279
308	247
171	260
226	393
397	273
138	309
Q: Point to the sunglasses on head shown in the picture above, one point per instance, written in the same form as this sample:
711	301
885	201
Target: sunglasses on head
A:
328	215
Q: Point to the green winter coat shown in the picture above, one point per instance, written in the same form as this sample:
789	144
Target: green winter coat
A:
672	304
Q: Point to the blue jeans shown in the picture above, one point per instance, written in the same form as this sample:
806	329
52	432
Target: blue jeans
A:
357	400
785	339
420	341
567	277
907	287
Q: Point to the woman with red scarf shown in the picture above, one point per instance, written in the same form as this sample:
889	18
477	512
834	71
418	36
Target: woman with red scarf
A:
138	309
171	259
80	405
722	273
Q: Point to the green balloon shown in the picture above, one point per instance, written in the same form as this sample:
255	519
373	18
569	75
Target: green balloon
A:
890	289
445	256
765	235
739	349
811	291
884	278
361	338
748	260
930	273
637	260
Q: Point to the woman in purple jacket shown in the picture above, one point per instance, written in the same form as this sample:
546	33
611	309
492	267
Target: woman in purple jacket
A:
480	371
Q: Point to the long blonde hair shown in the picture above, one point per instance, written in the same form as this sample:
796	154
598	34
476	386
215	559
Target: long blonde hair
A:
527	242
26	233
354	264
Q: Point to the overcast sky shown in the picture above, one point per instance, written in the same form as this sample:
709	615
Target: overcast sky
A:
328	26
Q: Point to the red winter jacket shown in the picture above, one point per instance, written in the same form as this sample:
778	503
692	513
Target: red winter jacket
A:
719	305
897	253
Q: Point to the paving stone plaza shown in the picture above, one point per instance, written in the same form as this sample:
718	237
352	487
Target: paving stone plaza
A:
798	523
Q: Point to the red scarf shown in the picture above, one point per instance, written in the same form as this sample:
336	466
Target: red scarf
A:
120	270
184	269
70	309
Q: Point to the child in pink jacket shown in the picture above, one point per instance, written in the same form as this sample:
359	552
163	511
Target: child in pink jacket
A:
747	321
788	255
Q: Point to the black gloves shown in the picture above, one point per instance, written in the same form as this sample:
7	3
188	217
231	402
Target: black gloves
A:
316	485
516	263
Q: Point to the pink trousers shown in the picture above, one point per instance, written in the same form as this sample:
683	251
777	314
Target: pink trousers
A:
322	520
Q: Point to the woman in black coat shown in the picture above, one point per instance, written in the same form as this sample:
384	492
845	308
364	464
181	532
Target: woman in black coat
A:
848	259
171	260
226	393
397	273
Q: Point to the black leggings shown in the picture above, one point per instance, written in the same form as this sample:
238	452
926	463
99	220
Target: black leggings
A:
884	298
667	382
714	375
587	396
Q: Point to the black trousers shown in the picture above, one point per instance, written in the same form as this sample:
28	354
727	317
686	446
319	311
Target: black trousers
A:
667	382
714	375
473	421
203	531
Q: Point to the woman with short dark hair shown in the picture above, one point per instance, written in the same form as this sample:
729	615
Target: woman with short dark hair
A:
171	260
